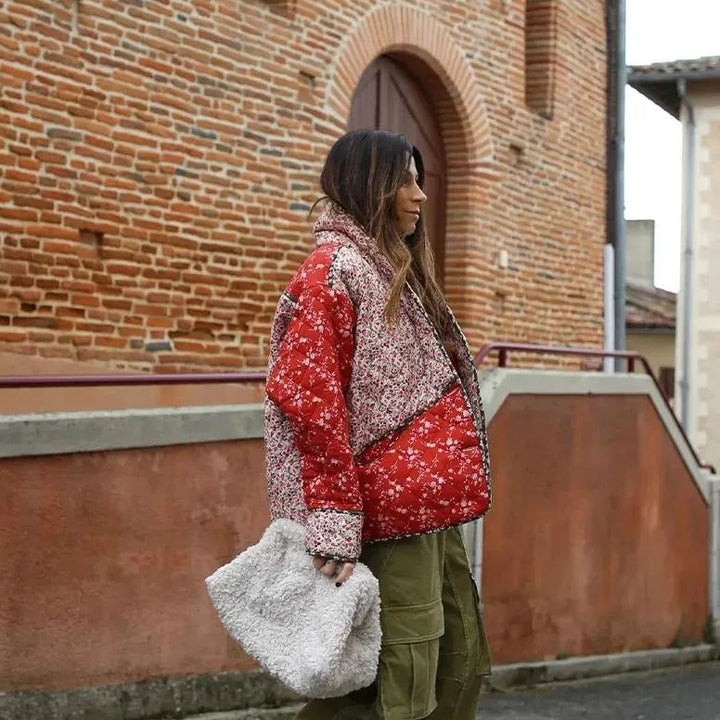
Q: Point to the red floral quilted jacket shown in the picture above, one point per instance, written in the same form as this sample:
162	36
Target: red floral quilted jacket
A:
371	431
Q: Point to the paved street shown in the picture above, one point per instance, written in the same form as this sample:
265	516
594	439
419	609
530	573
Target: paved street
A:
690	693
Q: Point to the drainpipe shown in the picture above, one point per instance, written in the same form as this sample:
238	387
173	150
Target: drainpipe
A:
619	214
715	558
478	555
608	293
689	200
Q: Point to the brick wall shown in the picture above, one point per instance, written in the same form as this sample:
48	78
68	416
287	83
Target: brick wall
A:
158	159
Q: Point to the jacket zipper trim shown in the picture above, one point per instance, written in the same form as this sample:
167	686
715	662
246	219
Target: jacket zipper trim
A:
480	428
408	420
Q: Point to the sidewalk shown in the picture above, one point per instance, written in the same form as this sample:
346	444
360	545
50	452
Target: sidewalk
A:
670	684
688	692
691	692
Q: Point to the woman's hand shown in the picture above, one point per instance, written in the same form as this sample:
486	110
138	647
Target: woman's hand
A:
330	567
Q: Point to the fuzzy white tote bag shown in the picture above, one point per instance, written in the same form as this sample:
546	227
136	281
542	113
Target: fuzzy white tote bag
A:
318	639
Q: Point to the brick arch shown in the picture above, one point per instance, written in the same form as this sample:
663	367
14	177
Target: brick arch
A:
418	39
428	50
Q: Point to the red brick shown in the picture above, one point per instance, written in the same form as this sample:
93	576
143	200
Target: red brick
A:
110	342
17	214
16	73
12	336
84	300
33	202
9	305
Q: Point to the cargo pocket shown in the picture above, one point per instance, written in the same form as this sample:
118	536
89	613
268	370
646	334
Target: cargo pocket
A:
409	660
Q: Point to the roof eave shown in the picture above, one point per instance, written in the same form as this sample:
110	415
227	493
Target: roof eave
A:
661	87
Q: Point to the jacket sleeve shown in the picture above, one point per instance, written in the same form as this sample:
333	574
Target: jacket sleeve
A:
308	382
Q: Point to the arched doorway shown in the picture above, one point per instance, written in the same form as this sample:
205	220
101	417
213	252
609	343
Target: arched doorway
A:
389	98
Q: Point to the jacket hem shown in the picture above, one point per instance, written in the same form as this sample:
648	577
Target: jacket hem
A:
335	510
335	558
429	532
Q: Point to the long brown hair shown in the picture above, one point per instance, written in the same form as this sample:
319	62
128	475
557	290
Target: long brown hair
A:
362	174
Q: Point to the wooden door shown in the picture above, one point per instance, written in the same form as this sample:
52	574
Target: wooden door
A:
389	98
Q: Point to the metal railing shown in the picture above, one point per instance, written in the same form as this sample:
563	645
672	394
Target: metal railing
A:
55	381
503	349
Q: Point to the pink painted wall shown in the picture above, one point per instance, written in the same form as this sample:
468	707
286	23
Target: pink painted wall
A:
597	541
31	400
103	558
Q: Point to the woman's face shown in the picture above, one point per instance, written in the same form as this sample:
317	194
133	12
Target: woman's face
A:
408	199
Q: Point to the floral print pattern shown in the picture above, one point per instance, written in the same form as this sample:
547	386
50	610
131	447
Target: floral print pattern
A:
371	431
427	476
334	535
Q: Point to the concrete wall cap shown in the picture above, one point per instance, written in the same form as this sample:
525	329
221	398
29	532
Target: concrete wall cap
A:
95	431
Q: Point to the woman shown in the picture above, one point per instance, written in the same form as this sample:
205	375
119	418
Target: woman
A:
375	432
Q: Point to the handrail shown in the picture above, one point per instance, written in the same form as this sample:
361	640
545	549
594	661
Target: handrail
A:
631	356
47	381
503	348
130	379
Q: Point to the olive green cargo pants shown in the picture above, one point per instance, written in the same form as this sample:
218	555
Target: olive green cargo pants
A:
434	649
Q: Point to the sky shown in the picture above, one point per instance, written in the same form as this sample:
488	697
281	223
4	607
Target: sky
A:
661	31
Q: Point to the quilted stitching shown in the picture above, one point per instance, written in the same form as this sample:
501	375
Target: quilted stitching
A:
366	418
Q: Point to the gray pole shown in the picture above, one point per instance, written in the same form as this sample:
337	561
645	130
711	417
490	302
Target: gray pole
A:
619	214
687	281
715	557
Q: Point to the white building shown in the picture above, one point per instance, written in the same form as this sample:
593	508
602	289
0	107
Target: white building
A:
690	91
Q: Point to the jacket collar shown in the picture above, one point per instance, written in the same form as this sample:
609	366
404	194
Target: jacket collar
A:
336	225
334	221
